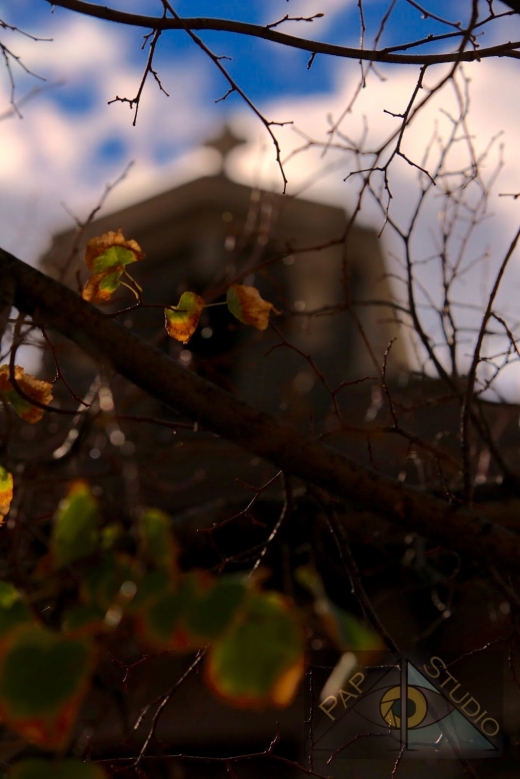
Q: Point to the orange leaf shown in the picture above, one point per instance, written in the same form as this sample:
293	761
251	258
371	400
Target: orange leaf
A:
6	492
51	734
248	307
101	286
182	320
102	243
36	389
107	257
286	685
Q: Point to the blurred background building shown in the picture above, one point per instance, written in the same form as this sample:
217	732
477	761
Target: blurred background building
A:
208	232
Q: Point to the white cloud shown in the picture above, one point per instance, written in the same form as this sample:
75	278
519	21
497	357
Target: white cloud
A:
52	155
273	10
322	177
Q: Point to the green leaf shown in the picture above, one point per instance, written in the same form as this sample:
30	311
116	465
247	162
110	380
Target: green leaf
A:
111	281
109	535
13	610
22	406
150	587
101	286
114	257
212	607
198	612
182	320
40	671
6	492
43	678
75	534
56	769
157	545
9	595
84	619
259	661
103	582
158	622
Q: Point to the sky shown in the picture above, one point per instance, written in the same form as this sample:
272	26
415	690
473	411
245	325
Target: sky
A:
70	143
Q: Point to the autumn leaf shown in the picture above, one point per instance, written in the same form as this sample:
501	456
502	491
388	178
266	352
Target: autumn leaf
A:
83	620
111	250
106	590
6	492
104	583
182	320
75	532
157	545
36	389
259	659
214	605
198	611
158	623
248	307
43	679
101	286
106	257
14	611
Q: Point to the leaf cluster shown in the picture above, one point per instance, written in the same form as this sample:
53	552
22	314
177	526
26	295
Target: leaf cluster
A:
252	639
107	258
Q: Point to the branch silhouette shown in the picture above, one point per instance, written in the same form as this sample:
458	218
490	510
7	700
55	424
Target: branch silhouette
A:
511	48
53	305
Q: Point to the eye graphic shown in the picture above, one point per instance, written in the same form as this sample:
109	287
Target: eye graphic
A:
423	707
416	707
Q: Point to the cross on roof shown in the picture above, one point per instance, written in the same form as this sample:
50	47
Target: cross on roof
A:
224	143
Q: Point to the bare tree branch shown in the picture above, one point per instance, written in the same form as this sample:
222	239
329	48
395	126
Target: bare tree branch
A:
51	304
266	33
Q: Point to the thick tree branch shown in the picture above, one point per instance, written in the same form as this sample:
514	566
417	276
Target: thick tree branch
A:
51	304
6	300
293	41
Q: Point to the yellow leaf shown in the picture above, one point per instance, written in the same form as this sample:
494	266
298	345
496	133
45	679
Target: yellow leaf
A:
182	320
38	390
248	307
6	492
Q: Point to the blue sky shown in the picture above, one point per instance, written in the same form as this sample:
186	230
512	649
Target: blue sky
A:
70	142
73	142
256	64
265	71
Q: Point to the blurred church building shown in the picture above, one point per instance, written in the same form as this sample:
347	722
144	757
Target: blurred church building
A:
203	235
